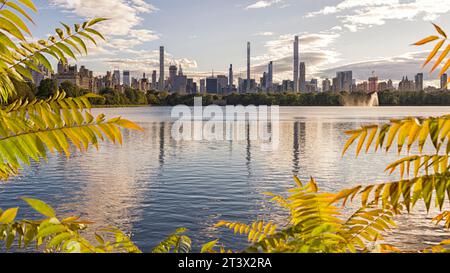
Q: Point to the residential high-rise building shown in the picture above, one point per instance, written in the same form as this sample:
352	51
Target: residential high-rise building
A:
230	77
334	87
212	85
154	76
248	62
143	83
390	85
362	87
191	87
83	78
202	86
326	85
172	73
116	77
344	81
419	82
287	86
302	77
222	84
406	85
382	86
269	80
444	80
373	84
126	78
296	64
161	69
311	86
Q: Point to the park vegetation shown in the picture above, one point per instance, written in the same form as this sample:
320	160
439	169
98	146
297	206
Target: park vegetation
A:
30	129
130	96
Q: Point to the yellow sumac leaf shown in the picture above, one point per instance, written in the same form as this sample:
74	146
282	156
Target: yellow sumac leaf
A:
372	135
128	124
362	138
350	142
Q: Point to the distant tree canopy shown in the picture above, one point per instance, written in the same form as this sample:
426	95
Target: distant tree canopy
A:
132	96
421	98
47	88
24	90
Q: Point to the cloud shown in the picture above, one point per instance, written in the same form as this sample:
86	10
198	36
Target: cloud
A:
359	14
124	19
145	61
315	51
264	33
263	4
394	68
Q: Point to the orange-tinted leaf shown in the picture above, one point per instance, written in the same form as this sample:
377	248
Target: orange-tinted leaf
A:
434	52
439	30
426	40
445	68
441	58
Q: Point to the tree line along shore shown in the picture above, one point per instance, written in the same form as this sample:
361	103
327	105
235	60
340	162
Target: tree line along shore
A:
132	97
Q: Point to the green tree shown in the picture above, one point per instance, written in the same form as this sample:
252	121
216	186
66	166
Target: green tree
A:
46	89
71	89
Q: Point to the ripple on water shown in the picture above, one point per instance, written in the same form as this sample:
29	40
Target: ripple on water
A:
153	184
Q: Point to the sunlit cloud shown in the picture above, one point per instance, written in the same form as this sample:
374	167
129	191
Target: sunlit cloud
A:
125	17
264	4
359	14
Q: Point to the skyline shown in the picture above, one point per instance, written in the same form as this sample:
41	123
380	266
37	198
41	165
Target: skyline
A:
333	35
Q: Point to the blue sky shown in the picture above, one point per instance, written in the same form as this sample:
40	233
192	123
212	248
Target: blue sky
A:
202	35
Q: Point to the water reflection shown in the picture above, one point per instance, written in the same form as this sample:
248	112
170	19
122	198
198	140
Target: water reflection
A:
154	184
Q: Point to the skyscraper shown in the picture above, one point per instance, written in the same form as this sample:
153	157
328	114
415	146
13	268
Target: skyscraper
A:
161	68
296	86
126	78
154	79
248	61
230	77
172	73
116	77
444	80
302	76
202	86
344	81
373	84
212	85
326	85
269	80
419	82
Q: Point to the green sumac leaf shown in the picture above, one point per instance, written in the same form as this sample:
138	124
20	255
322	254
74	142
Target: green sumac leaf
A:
40	206
50	230
93	31
95	21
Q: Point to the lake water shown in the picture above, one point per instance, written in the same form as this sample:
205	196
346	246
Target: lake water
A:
153	184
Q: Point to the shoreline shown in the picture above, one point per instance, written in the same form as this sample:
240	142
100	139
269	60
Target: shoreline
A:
303	106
